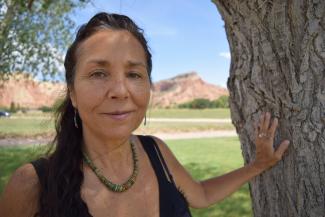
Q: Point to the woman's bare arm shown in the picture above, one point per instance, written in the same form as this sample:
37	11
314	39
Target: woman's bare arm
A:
20	196
204	193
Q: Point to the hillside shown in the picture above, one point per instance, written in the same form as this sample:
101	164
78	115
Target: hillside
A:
184	88
26	92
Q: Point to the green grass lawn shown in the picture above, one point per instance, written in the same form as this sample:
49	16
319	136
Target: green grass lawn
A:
203	158
22	126
12	158
206	158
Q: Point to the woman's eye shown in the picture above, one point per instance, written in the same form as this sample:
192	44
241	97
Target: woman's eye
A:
98	74
134	75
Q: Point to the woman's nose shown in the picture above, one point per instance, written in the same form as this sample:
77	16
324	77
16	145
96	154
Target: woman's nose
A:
118	89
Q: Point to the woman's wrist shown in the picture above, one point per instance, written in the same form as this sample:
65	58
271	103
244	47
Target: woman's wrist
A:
254	169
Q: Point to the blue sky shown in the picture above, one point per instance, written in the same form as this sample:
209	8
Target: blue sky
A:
184	35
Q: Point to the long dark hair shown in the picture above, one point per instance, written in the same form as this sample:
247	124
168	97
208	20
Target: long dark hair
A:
60	190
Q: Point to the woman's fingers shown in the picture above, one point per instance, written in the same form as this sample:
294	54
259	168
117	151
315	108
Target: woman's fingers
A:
281	149
266	122
273	127
267	128
261	122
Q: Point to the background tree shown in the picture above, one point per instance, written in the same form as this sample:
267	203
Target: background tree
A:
33	35
221	102
201	103
278	65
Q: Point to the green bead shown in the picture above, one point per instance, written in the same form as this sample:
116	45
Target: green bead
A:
110	185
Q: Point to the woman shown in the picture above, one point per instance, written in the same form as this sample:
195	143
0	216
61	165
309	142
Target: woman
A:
99	168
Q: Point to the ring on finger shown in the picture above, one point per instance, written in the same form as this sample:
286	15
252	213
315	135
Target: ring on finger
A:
261	135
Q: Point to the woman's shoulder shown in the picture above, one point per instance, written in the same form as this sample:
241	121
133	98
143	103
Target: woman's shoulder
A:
24	177
163	147
20	195
152	140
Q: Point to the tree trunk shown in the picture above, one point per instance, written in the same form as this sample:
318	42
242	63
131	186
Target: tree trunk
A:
278	65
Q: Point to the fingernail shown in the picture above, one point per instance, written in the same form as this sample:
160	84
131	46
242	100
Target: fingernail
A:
287	142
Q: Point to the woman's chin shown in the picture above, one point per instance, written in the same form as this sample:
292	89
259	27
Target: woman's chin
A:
117	134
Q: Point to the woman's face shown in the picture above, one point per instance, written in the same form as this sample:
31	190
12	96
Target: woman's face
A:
111	88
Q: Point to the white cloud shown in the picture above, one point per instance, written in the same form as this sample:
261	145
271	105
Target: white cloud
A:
225	55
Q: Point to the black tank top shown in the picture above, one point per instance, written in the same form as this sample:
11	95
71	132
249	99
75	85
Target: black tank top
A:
171	201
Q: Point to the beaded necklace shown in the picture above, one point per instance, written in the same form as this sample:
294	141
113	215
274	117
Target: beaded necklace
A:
110	185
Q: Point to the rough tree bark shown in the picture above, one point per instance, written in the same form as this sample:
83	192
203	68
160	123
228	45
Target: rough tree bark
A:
278	65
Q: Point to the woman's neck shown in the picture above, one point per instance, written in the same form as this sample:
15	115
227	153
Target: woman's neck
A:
103	151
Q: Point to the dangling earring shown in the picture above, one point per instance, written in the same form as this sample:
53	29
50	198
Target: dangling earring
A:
145	120
75	118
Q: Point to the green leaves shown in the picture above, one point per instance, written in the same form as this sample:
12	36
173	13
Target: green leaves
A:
34	35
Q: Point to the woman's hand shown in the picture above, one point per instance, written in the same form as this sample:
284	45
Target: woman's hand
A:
266	156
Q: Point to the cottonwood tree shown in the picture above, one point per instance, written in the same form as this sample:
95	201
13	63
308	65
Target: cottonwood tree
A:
33	35
278	65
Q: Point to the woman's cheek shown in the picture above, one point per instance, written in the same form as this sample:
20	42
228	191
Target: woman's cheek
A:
142	92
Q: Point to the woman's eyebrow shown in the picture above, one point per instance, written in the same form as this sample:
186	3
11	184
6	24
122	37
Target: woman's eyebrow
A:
131	63
104	63
100	62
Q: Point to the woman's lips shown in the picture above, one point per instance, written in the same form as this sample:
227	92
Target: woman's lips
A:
118	115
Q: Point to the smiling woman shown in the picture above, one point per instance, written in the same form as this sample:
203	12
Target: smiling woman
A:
111	88
98	166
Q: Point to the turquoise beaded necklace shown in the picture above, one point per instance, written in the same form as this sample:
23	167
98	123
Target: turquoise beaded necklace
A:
110	185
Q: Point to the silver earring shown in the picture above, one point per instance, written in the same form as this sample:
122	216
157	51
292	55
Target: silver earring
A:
75	118
145	120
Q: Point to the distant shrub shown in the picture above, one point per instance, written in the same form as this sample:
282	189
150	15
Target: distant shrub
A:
200	103
46	109
13	107
52	108
221	102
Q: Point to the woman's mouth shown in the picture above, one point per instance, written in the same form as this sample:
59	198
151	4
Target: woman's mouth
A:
118	115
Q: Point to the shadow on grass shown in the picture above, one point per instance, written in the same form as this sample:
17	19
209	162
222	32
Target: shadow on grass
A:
12	158
237	205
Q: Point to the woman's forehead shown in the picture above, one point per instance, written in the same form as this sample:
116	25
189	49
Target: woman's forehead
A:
112	43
